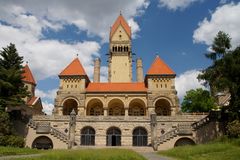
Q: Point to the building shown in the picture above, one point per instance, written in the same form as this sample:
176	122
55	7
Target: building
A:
119	112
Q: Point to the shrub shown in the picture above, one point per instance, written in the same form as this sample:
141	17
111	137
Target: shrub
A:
233	129
12	140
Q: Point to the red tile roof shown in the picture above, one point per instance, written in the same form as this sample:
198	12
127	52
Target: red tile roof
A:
159	67
27	75
116	87
120	21
32	101
75	68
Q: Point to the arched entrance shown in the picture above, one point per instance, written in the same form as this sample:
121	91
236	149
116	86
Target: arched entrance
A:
116	108
69	105
137	108
94	107
88	136
183	142
140	137
162	107
113	136
42	142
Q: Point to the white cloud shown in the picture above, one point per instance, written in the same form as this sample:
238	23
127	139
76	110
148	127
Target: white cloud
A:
186	81
93	16
134	27
50	94
47	107
48	57
22	23
176	4
224	18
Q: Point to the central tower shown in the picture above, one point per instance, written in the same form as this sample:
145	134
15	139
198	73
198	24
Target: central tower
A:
120	52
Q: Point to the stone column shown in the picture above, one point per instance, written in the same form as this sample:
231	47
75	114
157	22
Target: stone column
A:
105	111
72	127
139	70
126	112
96	74
153	123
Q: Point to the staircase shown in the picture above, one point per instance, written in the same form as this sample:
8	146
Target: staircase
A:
53	131
183	129
167	136
200	123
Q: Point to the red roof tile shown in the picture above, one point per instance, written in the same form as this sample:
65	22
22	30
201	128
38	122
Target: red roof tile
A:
159	67
116	87
73	69
32	101
120	21
27	75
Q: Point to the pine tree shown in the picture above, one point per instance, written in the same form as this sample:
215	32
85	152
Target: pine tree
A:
12	89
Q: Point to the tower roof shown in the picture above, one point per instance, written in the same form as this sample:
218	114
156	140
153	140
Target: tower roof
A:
27	75
75	68
159	67
120	21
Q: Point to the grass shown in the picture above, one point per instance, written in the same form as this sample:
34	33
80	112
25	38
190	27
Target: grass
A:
223	149
88	154
5	151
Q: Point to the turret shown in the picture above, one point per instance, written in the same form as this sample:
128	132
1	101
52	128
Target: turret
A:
97	65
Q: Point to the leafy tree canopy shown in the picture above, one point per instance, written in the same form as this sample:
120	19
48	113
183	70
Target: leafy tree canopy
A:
224	73
197	100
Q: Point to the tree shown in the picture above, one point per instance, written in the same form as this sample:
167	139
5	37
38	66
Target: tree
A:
198	100
224	73
12	88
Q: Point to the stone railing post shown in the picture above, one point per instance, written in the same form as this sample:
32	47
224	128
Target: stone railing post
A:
153	124
72	127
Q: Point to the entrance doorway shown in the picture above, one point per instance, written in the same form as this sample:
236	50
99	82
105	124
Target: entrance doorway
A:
113	137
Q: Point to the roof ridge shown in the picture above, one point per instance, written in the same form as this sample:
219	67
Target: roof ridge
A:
27	75
120	21
74	68
159	67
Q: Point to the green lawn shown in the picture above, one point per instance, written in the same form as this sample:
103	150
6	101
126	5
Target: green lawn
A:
218	150
5	151
88	154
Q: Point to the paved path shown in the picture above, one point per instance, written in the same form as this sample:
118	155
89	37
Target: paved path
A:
19	156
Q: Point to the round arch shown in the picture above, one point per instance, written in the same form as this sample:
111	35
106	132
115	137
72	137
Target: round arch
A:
116	108
139	137
113	136
184	141
94	107
163	107
68	105
69	97
137	107
88	136
42	142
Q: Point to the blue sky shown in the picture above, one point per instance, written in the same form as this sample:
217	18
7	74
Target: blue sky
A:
49	34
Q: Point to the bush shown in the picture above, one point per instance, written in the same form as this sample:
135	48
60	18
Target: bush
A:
233	129
12	140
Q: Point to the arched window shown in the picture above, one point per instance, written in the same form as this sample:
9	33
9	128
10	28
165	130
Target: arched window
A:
140	137
87	136
137	108
42	142
162	107
94	107
116	108
113	137
69	105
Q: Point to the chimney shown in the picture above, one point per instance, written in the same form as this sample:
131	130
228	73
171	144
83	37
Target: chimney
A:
96	74
139	70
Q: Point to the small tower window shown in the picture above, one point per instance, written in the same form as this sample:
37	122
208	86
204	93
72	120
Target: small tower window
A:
75	86
156	85
67	86
165	85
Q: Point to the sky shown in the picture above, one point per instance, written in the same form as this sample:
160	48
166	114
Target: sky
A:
50	34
